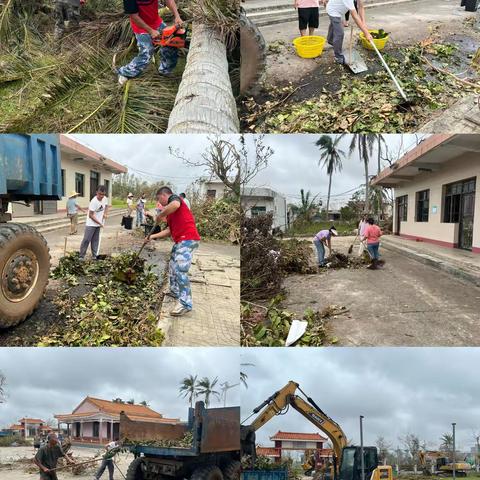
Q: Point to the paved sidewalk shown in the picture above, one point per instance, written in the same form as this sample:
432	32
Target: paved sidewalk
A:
461	263
215	318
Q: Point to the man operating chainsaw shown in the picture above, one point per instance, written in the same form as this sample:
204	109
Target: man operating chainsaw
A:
148	27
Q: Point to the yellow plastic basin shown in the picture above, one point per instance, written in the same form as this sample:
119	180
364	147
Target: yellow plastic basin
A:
379	43
309	47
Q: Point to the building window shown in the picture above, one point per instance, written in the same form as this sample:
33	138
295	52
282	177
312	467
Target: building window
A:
107	187
452	199
423	198
211	193
80	184
402	208
96	429
63	183
258	211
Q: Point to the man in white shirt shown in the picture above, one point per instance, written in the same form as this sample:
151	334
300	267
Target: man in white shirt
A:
361	232
106	462
336	10
97	215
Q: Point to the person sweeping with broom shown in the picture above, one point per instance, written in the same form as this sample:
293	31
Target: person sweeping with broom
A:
182	229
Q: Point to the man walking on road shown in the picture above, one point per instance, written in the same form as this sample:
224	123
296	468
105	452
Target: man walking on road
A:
182	229
106	463
97	215
47	457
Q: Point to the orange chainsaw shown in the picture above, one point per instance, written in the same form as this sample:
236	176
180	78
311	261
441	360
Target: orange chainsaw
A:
173	36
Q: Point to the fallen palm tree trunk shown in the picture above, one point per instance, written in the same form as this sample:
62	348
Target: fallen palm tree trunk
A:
205	101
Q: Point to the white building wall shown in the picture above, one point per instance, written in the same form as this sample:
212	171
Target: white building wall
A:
462	168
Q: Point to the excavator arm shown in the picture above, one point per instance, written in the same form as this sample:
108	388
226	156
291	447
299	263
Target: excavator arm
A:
286	397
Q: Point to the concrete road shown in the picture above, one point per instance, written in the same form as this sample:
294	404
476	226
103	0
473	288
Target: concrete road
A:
406	303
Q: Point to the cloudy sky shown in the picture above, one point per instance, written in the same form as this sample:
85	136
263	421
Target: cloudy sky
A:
44	381
293	166
398	390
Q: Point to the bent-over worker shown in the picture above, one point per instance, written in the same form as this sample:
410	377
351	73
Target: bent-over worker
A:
182	229
324	239
47	457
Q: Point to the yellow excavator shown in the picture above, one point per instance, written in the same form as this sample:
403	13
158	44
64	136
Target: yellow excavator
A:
434	462
347	460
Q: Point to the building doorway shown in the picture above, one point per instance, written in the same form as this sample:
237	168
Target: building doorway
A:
94	183
402	207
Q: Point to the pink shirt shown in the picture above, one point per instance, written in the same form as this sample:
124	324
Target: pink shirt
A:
372	233
307	3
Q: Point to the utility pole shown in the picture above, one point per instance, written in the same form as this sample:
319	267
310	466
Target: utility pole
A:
453	465
361	447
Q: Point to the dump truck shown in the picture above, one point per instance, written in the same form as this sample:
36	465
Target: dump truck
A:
29	171
214	453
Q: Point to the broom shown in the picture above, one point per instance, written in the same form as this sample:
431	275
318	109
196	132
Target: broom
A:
350	249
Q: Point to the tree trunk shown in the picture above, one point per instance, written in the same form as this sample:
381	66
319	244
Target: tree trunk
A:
205	101
328	196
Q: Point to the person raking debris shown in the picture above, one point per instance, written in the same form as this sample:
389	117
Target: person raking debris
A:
107	462
324	239
372	236
147	26
336	10
182	229
47	457
97	215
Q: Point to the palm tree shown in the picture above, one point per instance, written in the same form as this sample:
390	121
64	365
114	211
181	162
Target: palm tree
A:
189	388
243	375
307	206
446	444
206	388
331	158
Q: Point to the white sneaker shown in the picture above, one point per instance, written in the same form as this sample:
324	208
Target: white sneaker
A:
122	80
179	310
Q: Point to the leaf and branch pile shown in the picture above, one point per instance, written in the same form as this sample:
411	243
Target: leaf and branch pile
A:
371	103
111	302
185	441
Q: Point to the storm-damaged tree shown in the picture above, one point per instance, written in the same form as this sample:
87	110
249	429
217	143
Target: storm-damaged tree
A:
232	163
412	446
307	208
446	445
206	387
3	385
243	375
383	448
189	388
331	158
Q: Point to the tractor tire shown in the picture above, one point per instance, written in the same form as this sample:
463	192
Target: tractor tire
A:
135	471
24	272
207	472
253	52
232	470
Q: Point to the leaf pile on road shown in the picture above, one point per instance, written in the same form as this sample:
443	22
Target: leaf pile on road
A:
266	260
340	260
269	327
370	103
184	442
218	219
111	302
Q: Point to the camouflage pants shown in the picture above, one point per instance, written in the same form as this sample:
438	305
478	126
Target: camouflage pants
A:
146	49
65	12
180	261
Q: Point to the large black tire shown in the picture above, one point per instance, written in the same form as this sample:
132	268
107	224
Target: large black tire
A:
134	471
207	472
24	272
253	53
232	470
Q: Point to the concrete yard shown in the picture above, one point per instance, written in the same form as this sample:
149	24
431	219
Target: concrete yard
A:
407	303
15	464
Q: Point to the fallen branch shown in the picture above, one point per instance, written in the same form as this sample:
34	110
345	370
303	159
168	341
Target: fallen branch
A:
450	74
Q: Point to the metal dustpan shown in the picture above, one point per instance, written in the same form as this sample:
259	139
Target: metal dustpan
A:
353	60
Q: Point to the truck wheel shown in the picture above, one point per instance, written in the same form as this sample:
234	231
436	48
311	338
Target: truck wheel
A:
135	471
208	472
24	272
253	53
232	470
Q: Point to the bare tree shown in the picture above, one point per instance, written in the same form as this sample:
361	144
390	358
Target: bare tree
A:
231	163
412	445
3	385
383	448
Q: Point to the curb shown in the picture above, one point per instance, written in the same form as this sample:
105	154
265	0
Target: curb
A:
435	263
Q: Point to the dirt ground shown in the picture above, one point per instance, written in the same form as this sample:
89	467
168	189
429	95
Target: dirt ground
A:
15	465
114	239
406	303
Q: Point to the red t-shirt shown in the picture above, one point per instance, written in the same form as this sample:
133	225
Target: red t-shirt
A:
147	10
372	233
182	222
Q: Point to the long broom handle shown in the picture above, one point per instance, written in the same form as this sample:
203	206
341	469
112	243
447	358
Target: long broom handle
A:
387	68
